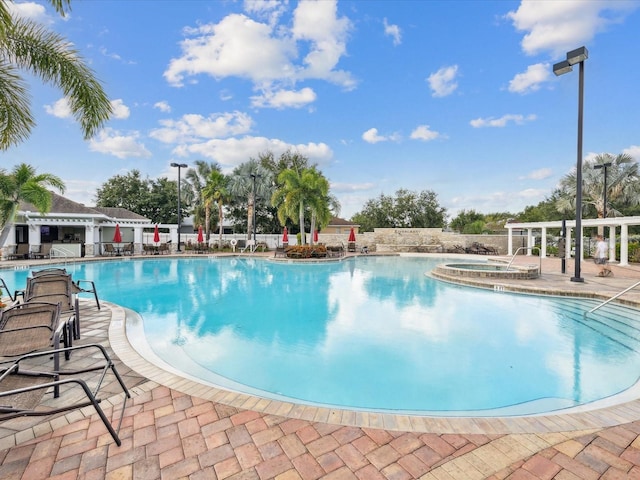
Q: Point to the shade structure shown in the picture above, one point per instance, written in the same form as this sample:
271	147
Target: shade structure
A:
352	235
200	237
285	236
156	235
315	236
117	236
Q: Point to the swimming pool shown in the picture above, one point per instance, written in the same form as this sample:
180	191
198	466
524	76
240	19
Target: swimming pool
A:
371	333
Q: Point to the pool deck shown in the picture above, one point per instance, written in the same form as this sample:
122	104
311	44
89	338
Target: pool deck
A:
176	428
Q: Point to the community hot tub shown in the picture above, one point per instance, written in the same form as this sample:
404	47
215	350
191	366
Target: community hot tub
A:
487	270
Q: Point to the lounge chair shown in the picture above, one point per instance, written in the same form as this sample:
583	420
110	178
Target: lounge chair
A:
279	252
42	251
127	249
351	247
109	250
21	391
56	289
29	327
77	286
20	252
163	248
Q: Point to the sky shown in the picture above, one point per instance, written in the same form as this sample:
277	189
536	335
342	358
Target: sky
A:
456	97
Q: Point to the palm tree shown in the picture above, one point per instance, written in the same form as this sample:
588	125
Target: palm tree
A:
24	185
300	188
28	46
321	204
623	186
241	185
196	179
216	191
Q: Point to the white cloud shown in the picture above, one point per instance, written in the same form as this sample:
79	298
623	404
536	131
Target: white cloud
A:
502	121
393	31
30	11
371	136
267	53
316	21
561	26
443	82
119	145
338	187
237	46
424	132
192	127
59	109
284	99
634	151
163	106
231	152
530	80
496	201
540	174
120	110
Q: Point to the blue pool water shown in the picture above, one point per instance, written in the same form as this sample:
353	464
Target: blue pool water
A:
371	333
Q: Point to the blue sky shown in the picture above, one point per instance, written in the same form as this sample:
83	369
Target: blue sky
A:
457	97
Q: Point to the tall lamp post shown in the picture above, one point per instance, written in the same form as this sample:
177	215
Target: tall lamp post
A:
604	166
579	55
254	176
179	166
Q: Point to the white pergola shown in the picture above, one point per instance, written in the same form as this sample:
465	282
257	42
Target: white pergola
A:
612	223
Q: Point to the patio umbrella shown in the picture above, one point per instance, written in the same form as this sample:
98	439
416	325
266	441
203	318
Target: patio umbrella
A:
315	236
156	235
352	235
285	236
200	237
117	236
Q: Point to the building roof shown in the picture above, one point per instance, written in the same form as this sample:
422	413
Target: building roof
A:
61	206
341	222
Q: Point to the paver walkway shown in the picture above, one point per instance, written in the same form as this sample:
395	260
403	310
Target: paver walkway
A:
171	435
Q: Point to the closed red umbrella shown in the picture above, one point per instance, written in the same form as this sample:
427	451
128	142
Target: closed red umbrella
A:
200	237
352	235
156	235
117	236
285	236
315	236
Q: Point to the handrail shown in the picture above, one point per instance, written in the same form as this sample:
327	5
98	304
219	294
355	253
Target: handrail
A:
527	248
53	253
617	295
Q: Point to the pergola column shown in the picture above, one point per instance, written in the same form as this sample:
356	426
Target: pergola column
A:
510	242
543	243
529	241
612	242
624	245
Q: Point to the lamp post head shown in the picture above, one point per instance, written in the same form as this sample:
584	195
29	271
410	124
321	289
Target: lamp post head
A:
179	165
603	165
578	55
562	67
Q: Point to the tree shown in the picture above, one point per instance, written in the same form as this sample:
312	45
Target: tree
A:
28	46
465	218
623	186
406	210
299	189
23	184
216	191
196	179
241	187
156	200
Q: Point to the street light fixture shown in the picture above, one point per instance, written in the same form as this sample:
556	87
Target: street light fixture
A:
604	166
254	176
179	166
579	55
